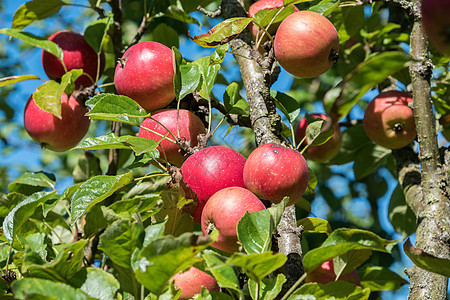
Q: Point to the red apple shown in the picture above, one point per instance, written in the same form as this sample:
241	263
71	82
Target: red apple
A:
189	127
436	23
273	172
224	210
306	44
325	274
191	281
264	4
324	152
77	54
145	74
54	133
389	121
210	170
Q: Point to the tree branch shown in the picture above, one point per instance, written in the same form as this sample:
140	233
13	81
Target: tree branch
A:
266	124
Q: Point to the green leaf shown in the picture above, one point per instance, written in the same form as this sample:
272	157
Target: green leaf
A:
315	225
31	182
88	166
145	204
20	214
189	80
35	288
224	273
343	240
96	283
154	232
35	10
369	158
380	279
325	7
67	84
116	108
109	141
255	229
222	33
178	222
316	132
16	78
96	32
273	16
9	201
349	261
176	13
400	214
35	41
363	78
98	218
209	67
120	240
48	97
96	190
269	288
64	267
156	263
427	261
233	101
336	290
258	265
288	105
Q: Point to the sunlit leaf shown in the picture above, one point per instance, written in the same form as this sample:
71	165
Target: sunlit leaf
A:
35	10
427	261
16	78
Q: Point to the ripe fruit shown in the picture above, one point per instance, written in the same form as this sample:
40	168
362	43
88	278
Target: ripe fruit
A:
191	281
389	121
273	172
325	274
436	23
145	74
189	127
224	210
324	152
306	44
264	4
77	54
54	133
210	170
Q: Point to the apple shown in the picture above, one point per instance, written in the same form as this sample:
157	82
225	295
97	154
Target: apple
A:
389	121
436	23
189	127
306	44
223	210
445	122
264	4
210	170
145	74
325	274
54	133
191	281
273	172
324	152
77	54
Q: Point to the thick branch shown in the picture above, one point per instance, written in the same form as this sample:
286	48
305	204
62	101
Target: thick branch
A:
433	211
266	124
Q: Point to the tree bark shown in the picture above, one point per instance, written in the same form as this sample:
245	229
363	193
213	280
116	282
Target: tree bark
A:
266	124
433	207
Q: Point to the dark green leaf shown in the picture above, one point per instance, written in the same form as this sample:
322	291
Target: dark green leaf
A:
233	101
35	288
269	288
176	13
222	33
369	158
16	78
400	214
336	290
427	261
96	283
380	278
31	182
87	167
95	33
156	263
35	10
258	265
224	273
9	201
125	208
349	261
287	104
35	41
96	190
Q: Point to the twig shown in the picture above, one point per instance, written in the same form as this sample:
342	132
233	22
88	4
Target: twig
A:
213	14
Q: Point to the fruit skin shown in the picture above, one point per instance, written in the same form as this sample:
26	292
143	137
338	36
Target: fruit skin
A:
436	23
273	172
211	169
389	121
54	133
324	152
77	54
145	74
224	210
191	281
306	44
325	274
189	126
264	4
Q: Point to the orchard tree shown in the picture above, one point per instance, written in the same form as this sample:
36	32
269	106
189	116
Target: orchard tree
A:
180	156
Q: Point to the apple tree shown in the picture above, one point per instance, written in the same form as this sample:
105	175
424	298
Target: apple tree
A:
234	149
